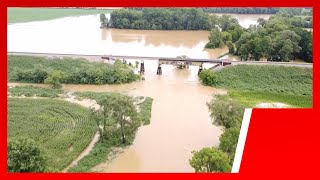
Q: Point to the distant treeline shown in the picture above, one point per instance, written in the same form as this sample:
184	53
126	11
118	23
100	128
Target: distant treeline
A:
181	18
242	10
253	10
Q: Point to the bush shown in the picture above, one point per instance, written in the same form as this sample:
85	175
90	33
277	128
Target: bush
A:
226	112
208	77
25	156
210	160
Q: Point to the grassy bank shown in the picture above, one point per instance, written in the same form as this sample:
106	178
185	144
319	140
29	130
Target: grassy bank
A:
62	129
30	91
253	84
19	15
251	98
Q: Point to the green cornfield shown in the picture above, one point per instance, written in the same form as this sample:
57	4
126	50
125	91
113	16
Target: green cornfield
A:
63	130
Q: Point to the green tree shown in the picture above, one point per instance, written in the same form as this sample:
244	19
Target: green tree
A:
226	112
55	78
226	37
208	77
231	47
25	156
227	22
229	141
104	21
215	39
210	160
286	51
122	109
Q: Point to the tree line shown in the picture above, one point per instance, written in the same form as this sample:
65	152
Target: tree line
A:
227	113
163	19
88	73
280	38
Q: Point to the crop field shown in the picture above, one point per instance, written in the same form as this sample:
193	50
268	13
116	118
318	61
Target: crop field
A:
19	15
30	91
61	129
275	79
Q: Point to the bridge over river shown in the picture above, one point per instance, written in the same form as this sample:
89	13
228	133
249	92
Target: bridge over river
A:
165	60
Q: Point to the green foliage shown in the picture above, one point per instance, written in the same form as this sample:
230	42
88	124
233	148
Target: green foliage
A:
161	19
229	141
104	21
281	38
112	133
55	78
252	98
226	37
226	112
208	77
145	111
215	39
210	160
18	15
97	155
62	129
30	91
246	10
266	78
25	156
231	47
67	70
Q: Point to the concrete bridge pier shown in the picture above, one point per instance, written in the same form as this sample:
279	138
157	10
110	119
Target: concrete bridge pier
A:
159	70
142	68
200	69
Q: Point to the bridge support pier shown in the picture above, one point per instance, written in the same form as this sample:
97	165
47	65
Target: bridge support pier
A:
159	70
142	68
200	69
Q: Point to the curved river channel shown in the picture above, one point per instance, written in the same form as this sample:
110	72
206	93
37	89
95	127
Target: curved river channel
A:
180	121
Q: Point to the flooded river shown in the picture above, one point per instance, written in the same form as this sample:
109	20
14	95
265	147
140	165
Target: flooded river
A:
180	121
82	35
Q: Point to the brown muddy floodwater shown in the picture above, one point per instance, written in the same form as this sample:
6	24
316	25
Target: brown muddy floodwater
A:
82	35
180	121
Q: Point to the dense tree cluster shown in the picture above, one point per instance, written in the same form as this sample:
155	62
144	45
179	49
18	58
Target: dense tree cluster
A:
162	19
95	73
227	113
281	38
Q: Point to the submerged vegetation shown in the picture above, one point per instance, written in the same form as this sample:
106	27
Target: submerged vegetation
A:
67	70
251	84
